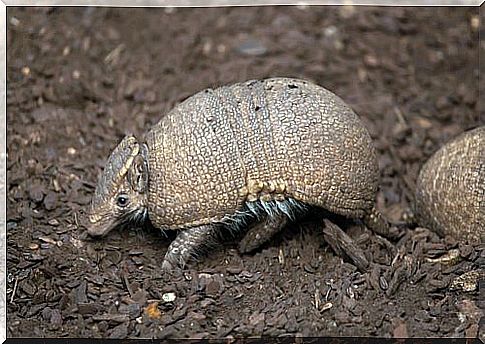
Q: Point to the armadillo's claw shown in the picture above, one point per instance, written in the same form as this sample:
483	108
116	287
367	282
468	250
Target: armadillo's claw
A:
187	244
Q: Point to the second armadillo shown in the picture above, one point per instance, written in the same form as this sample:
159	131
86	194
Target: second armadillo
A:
260	149
450	191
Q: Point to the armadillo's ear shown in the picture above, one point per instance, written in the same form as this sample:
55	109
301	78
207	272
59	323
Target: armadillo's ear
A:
138	174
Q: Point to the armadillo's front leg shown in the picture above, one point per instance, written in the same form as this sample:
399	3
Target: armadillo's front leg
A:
262	232
186	245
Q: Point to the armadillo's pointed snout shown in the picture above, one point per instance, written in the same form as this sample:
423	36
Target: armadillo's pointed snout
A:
96	227
96	232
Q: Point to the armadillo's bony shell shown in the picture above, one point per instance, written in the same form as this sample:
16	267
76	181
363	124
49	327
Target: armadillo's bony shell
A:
450	191
268	140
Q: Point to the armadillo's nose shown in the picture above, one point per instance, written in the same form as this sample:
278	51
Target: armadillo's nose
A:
96	226
95	232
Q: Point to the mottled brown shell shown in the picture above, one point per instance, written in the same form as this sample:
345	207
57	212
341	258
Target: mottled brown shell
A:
264	140
450	192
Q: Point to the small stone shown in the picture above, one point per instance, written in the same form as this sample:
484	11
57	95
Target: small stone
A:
33	246
71	151
330	31
169	297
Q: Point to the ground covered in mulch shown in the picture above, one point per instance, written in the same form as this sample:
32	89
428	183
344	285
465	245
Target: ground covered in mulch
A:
79	79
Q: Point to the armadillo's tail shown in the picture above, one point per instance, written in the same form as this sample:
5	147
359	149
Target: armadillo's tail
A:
376	222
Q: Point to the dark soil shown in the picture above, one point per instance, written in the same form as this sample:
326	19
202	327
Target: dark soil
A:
79	79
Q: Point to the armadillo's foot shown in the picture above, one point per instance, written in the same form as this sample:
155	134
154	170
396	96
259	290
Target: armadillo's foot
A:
186	245
262	232
376	222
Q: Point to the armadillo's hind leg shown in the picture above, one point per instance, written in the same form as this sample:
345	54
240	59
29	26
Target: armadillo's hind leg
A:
376	222
188	243
262	232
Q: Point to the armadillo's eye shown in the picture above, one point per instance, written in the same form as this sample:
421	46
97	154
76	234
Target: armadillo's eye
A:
122	200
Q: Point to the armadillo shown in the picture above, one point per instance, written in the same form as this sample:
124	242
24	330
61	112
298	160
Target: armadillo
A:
262	149
450	190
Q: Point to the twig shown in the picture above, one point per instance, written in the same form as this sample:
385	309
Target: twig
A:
14	289
126	282
75	219
400	116
343	245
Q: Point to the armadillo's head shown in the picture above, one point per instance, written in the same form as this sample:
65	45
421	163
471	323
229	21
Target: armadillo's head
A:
121	193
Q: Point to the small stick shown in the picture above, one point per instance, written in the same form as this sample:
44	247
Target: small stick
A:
14	289
126	282
75	219
400	116
343	245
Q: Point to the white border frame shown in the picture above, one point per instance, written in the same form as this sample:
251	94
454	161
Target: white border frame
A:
3	173
225	3
134	3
